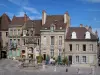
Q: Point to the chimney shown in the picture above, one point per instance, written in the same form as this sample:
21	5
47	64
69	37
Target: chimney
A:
87	27
90	28
67	19
25	17
81	25
96	33
43	17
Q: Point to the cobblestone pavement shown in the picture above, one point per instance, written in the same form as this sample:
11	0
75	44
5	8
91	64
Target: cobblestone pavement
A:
10	67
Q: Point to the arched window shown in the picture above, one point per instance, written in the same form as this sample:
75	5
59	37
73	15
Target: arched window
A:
74	35
87	35
52	28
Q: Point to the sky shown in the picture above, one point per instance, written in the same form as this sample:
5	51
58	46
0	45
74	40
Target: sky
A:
86	12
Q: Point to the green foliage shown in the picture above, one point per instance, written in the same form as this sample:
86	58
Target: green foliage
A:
65	61
39	59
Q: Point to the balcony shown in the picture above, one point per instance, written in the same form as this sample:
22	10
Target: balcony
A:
14	36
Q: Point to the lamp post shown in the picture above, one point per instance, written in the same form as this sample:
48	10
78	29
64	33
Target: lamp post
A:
64	52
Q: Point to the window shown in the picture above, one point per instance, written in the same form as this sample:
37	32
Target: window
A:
24	32
11	32
84	59
10	41
59	52
38	41
15	32
44	40
6	34
77	47
14	43
91	47
73	35
70	46
87	35
31	32
60	40
0	33
77	59
84	47
52	52
52	40
18	31
24	41
52	27
18	41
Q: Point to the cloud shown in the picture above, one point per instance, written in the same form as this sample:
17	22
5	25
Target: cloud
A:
98	30
35	17
91	1
31	10
93	10
19	2
95	19
3	5
10	14
20	14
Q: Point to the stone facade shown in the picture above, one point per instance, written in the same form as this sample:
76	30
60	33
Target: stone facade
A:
77	52
15	39
46	45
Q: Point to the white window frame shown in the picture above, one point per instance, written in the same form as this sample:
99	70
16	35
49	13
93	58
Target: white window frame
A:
77	47
84	59
91	47
77	59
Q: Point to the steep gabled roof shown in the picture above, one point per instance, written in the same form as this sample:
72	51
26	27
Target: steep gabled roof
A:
57	20
4	22
19	20
80	33
37	25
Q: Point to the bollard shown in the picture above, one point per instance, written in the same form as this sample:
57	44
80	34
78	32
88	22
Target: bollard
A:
55	69
66	70
43	67
78	71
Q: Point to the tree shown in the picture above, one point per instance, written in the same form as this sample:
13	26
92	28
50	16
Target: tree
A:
65	60
39	59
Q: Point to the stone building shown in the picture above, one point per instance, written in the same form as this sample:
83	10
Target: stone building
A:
53	34
81	46
4	22
24	37
15	30
31	38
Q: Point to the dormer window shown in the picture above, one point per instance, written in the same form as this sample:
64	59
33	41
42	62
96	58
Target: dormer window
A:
45	28
24	32
87	35
52	27
60	27
74	35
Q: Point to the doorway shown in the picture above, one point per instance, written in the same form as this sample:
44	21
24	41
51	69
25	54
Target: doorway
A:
3	54
70	59
44	56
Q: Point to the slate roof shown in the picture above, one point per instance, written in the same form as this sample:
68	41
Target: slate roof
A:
80	33
4	22
57	20
19	20
37	25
